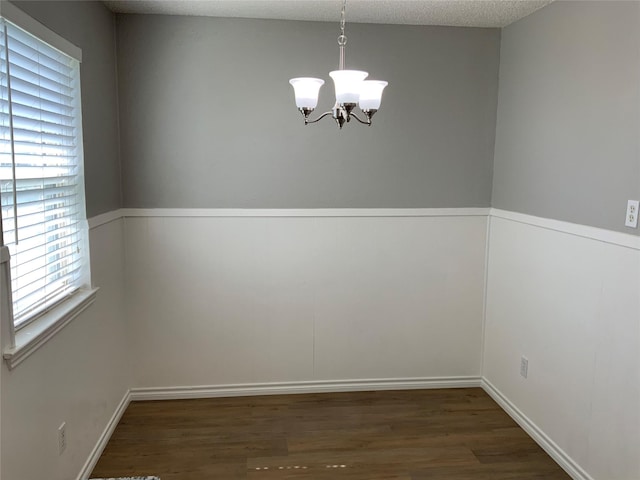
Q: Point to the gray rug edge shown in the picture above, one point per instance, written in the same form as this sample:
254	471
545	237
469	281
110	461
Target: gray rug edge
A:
127	478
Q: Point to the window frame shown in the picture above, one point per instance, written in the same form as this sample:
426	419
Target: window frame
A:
21	341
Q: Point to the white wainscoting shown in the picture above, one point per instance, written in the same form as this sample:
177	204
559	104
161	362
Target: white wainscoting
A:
226	302
215	299
568	298
79	377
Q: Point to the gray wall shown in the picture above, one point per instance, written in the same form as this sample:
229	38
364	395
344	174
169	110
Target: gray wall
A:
568	128
90	26
208	117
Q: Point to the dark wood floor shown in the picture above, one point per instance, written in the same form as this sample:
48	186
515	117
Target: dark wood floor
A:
454	434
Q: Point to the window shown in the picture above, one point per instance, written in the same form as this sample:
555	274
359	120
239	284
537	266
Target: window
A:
41	173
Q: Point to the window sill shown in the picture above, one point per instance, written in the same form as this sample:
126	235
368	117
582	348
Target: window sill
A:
32	337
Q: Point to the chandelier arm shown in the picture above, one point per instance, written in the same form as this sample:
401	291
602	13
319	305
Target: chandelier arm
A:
368	122
307	121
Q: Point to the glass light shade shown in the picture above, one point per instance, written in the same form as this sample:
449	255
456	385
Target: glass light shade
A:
348	84
306	90
371	94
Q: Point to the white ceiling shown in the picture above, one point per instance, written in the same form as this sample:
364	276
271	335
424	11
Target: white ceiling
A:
465	13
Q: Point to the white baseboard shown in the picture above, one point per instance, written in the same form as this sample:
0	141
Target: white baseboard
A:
104	438
560	456
249	389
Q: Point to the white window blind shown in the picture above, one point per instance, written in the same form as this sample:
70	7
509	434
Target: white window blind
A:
41	173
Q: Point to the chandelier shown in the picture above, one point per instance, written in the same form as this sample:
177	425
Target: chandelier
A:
351	90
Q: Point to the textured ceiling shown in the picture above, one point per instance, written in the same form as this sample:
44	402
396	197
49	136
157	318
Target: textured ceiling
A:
466	13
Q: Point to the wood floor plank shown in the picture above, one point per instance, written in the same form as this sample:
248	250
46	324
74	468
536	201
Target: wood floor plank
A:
457	434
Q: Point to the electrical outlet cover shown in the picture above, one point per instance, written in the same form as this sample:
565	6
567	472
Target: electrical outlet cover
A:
631	219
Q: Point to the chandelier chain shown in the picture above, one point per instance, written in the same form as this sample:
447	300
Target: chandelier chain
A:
342	39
